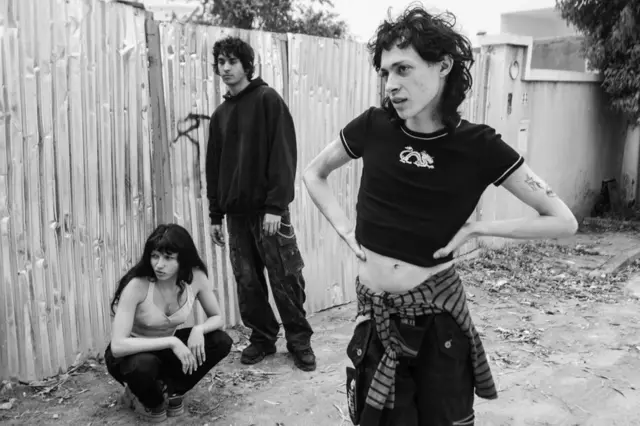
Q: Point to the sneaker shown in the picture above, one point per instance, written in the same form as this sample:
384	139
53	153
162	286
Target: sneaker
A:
175	407
304	359
253	353
152	415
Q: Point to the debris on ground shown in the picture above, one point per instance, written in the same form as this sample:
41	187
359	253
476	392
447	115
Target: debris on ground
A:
542	268
602	225
534	305
520	335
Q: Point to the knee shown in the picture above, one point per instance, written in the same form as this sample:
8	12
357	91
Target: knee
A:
220	342
141	366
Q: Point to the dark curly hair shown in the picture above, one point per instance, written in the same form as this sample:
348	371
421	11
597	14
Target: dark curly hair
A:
237	47
434	38
166	238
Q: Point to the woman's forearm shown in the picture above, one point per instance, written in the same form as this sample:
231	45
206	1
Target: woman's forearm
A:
527	228
322	196
211	324
134	345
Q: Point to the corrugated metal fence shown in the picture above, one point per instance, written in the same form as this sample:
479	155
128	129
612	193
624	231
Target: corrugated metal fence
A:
94	98
75	175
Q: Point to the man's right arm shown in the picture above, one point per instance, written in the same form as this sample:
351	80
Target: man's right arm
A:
348	146
212	171
315	177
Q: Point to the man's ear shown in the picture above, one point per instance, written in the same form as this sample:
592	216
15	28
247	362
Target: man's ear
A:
445	66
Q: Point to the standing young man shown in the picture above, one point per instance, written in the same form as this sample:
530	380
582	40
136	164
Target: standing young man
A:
251	167
417	357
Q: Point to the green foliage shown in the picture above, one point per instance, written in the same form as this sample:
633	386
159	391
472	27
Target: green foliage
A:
313	18
612	45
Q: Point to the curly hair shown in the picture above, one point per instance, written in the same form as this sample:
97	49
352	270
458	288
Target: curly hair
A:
234	46
434	38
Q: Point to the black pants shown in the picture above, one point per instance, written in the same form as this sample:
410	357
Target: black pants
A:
146	373
250	252
433	389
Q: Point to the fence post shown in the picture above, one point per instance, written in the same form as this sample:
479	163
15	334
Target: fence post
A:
284	54
161	166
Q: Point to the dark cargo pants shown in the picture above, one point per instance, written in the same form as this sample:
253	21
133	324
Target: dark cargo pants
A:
251	252
434	389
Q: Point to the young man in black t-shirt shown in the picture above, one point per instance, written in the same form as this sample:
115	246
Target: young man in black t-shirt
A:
417	357
250	168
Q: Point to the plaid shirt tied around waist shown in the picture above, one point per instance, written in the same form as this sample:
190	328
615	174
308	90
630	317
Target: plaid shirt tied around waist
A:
440	293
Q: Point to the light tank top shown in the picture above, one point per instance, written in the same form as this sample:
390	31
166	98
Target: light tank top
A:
151	321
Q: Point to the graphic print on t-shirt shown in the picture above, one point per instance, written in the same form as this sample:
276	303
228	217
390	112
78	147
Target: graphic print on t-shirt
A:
418	159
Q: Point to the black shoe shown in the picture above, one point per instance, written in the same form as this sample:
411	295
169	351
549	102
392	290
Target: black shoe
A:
304	359
151	415
175	406
253	353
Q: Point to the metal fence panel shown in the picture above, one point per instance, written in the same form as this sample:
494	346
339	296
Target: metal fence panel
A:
75	193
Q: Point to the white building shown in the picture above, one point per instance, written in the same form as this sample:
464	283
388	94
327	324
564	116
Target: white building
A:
537	23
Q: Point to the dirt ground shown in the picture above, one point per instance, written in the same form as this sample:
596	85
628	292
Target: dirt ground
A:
564	349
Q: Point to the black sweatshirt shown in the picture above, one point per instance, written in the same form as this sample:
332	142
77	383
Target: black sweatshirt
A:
251	154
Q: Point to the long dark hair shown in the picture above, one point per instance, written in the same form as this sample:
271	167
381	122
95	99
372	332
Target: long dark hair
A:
166	238
434	38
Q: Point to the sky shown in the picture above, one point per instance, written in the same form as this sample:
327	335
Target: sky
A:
363	16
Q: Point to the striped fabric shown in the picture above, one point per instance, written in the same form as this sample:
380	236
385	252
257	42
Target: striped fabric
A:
441	293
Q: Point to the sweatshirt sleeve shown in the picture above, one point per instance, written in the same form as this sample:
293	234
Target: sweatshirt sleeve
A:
212	170
283	156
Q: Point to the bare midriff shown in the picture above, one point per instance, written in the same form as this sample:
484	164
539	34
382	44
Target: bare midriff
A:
382	273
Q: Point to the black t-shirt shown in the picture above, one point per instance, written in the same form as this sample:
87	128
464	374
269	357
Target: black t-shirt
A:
417	189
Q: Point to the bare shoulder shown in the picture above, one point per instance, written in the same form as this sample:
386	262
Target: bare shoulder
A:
200	280
136	290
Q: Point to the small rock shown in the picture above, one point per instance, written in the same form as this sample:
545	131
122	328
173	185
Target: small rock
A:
7	405
5	386
55	416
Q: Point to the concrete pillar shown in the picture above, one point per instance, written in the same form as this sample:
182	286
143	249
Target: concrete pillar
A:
502	104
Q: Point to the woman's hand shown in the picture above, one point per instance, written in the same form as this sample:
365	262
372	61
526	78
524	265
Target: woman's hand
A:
196	344
189	363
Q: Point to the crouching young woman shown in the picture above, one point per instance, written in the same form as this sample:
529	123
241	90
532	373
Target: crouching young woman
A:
155	361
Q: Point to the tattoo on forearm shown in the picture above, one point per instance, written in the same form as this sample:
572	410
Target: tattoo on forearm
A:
537	185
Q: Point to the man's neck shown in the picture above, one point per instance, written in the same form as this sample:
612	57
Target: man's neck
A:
424	123
239	87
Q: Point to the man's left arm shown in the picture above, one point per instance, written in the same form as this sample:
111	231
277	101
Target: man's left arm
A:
554	219
282	157
503	166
